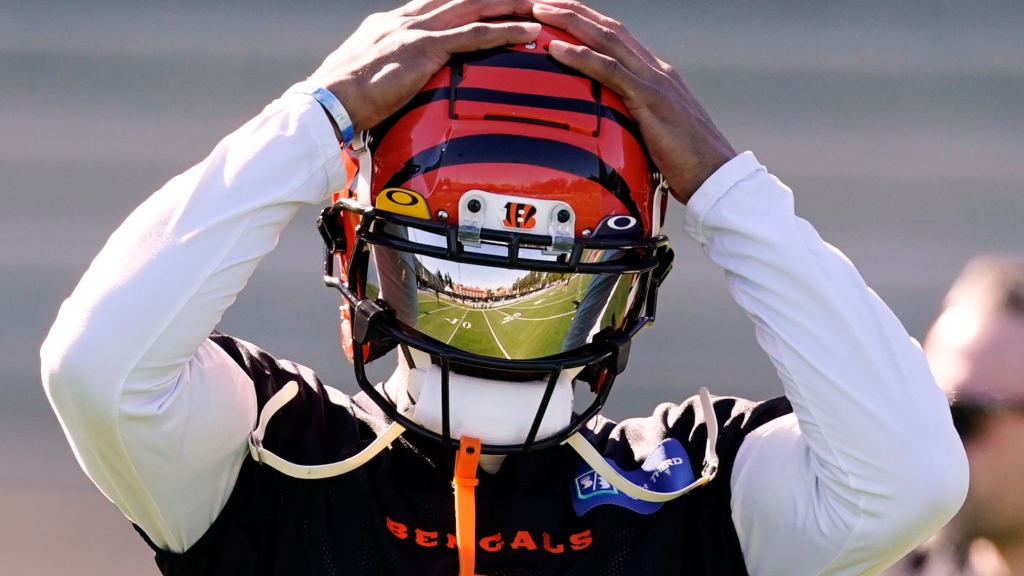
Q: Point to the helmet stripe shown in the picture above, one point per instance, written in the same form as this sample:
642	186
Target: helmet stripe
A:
513	99
418	101
505	58
552	154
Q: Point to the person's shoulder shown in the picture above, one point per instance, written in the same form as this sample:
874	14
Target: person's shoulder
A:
320	424
268	373
633	439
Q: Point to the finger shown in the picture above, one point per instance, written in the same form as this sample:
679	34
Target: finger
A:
480	36
599	38
610	23
420	7
606	70
462	12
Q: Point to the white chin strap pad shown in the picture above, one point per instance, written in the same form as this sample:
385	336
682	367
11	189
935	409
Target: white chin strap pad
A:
496	412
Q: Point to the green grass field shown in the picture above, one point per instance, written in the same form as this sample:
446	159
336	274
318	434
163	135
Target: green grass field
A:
529	328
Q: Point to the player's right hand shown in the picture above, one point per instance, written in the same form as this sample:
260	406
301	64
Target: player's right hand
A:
393	54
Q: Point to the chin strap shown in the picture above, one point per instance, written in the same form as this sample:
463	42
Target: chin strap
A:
596	461
464	482
264	456
362	155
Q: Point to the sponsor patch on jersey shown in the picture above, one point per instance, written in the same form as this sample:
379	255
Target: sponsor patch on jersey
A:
404	202
667	469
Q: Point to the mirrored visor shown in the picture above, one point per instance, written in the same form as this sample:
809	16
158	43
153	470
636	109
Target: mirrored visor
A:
498	312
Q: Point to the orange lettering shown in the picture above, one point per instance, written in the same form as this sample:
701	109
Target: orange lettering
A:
553	549
426	539
397	528
492	543
581	540
452	542
523	540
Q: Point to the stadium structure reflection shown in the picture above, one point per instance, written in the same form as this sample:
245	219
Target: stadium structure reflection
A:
498	312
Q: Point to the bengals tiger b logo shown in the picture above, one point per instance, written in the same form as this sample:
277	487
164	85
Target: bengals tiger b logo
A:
518	215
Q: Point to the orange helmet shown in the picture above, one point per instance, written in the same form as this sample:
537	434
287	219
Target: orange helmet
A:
505	224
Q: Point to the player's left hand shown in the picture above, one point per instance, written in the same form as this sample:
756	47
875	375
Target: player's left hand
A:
393	54
683	141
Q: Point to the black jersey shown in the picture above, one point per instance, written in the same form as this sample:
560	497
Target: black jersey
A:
395	515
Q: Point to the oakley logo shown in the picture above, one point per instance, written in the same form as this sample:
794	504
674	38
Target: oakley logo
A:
403	197
404	202
621	222
520	216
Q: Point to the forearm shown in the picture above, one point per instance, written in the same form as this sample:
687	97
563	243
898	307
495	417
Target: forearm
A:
886	466
143	410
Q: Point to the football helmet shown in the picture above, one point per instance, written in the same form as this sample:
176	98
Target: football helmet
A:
506	225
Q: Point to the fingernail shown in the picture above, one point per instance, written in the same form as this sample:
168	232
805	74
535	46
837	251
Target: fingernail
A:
544	8
557	47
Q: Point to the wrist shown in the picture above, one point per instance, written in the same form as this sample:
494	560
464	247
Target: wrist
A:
686	184
332	107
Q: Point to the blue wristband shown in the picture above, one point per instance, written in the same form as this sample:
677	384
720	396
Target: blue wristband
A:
332	105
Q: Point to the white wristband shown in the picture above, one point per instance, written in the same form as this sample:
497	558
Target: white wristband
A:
330	103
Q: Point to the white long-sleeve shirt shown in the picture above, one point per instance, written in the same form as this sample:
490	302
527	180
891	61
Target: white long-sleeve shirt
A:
158	416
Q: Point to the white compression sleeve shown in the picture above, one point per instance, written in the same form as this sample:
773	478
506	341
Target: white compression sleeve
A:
157	415
870	465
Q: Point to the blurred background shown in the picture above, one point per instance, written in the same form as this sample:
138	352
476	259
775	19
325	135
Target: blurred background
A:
900	126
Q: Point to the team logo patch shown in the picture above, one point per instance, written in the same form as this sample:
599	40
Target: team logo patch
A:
667	469
404	202
519	215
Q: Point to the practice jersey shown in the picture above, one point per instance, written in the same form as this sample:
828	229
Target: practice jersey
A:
395	515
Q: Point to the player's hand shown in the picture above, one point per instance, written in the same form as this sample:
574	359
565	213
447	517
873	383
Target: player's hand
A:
393	54
683	142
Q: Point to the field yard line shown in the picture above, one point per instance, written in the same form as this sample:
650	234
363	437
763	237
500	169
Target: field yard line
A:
438	310
457	326
486	319
548	318
527	302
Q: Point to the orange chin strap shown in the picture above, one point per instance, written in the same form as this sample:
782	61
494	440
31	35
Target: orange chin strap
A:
465	481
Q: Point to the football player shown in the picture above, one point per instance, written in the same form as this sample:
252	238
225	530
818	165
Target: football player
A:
498	174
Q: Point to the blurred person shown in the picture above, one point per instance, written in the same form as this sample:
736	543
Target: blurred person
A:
230	461
976	351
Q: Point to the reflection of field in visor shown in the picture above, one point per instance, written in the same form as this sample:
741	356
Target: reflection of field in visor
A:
530	326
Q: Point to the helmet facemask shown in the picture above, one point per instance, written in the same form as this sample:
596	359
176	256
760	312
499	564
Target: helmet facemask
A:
403	287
